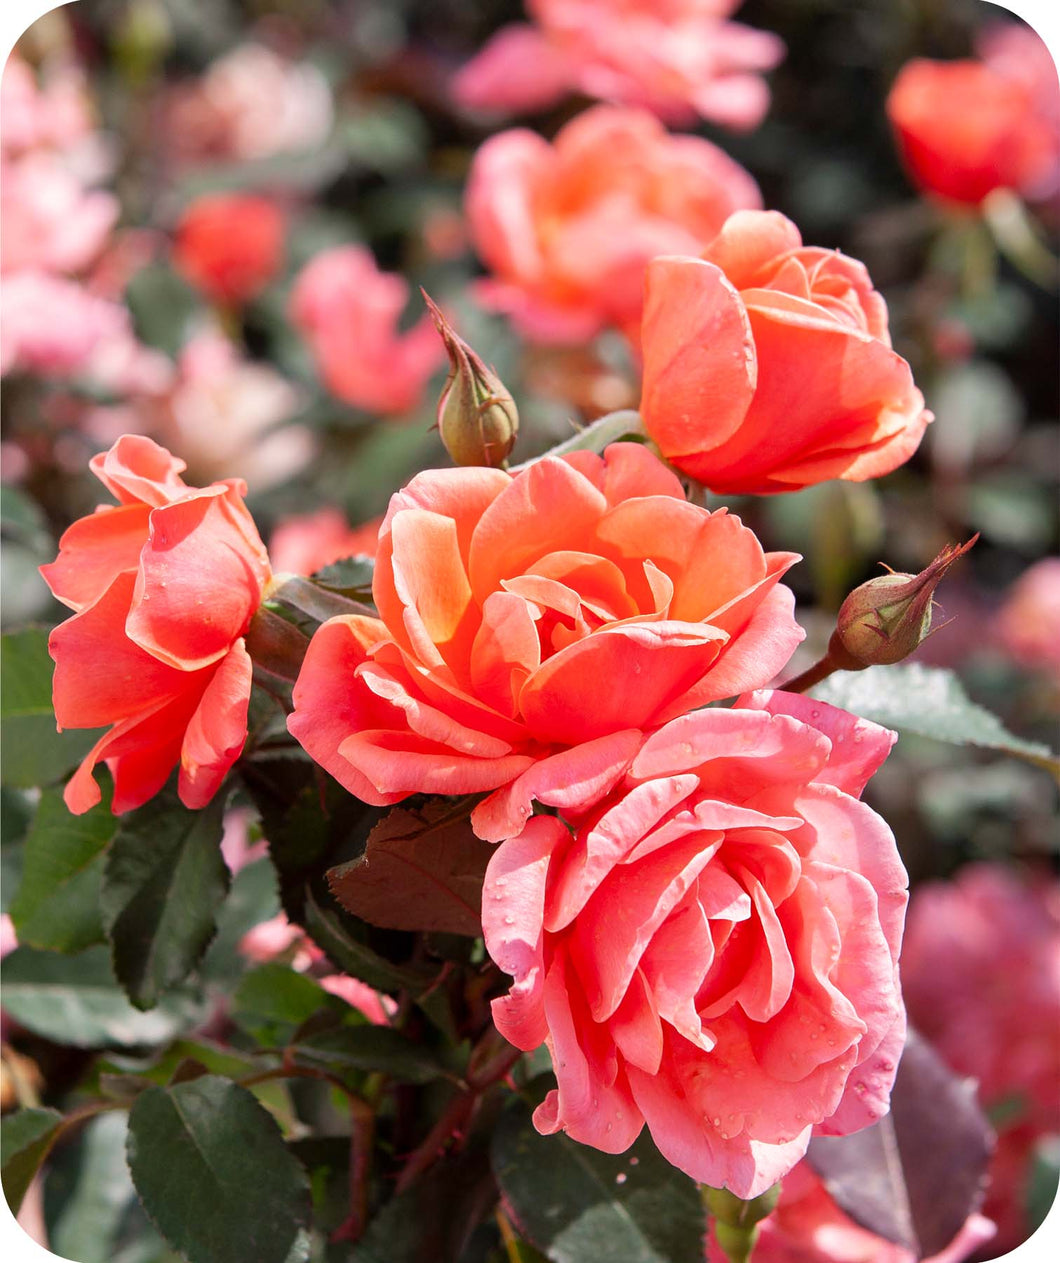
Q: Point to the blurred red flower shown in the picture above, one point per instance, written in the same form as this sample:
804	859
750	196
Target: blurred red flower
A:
230	245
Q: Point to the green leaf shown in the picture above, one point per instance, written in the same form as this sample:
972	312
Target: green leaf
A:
25	1139
372	1048
351	576
252	899
579	1205
215	1176
57	904
32	752
76	1000
99	1192
928	701
162	885
273	1001
337	938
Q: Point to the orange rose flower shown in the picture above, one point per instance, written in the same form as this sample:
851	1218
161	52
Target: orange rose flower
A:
966	128
568	228
230	246
768	364
531	626
163	585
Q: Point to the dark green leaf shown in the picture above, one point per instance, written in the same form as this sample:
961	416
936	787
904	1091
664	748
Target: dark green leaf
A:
76	1000
32	752
928	701
215	1176
352	576
579	1205
57	905
163	882
371	1048
272	1001
163	307
337	938
25	1139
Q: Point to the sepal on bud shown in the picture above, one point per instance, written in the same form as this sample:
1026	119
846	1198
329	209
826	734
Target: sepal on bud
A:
736	1220
477	416
885	619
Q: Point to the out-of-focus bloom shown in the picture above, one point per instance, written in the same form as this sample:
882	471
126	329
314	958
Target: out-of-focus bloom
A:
513	613
808	1227
250	104
567	228
230	245
163	587
679	59
714	949
54	115
307	543
48	219
55	326
1028	625
966	128
768	364
348	311
278	937
981	975
225	412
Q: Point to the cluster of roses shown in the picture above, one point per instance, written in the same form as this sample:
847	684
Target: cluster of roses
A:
703	920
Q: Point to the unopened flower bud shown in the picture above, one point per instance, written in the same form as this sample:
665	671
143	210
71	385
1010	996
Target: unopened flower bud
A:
736	1221
884	620
477	416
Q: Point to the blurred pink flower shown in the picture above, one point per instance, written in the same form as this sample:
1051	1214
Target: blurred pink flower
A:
1028	624
678	58
225	413
249	104
808	1227
52	325
567	229
48	219
981	978
55	115
278	937
348	311
308	542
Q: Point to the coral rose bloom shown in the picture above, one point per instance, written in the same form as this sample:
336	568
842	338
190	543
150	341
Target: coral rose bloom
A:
966	128
713	949
568	228
768	364
555	612
230	245
163	585
348	311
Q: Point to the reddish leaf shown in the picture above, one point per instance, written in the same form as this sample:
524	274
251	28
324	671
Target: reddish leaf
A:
421	870
916	1175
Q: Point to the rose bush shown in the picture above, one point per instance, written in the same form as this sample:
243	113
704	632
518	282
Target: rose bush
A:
712	948
163	586
567	228
768	365
556	611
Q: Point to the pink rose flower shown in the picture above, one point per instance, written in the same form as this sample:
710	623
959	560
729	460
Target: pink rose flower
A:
568	228
713	949
808	1227
1028	625
681	59
48	219
308	542
348	312
981	974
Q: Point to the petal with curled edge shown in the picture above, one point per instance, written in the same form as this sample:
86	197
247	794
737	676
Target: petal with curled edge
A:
94	551
513	907
136	470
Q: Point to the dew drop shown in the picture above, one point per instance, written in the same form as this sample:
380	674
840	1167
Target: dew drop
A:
717	1122
509	920
610	1127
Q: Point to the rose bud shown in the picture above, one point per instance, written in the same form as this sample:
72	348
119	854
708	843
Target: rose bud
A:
884	620
477	416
